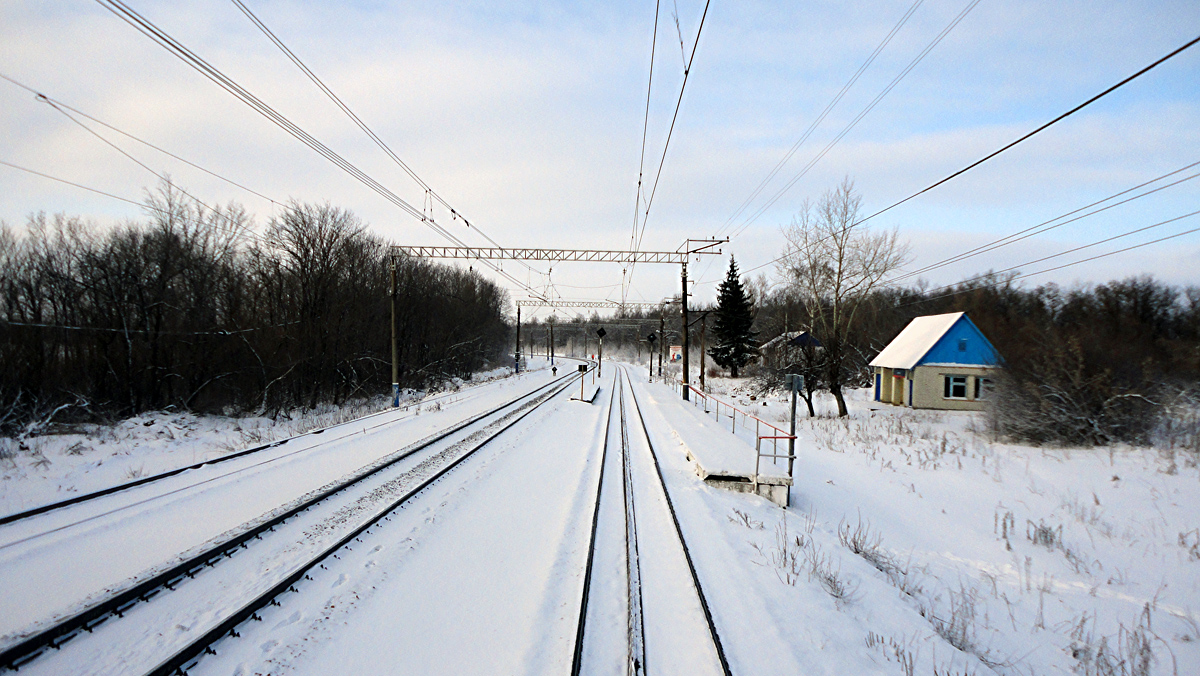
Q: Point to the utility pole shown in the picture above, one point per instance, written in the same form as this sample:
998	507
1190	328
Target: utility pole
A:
551	346
517	367
395	345
703	346
662	334
600	350
683	301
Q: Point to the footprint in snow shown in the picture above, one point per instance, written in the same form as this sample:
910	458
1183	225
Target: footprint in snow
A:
377	548
342	579
269	646
292	619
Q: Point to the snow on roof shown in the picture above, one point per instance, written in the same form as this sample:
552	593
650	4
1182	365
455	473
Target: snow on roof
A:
915	341
781	338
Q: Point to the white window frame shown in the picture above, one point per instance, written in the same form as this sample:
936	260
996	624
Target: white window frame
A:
948	385
983	388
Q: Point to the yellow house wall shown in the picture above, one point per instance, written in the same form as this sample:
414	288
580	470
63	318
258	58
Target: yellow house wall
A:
929	387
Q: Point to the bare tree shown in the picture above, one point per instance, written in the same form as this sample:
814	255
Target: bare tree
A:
833	265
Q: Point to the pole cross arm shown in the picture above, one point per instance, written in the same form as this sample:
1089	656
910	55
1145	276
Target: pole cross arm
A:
599	304
557	255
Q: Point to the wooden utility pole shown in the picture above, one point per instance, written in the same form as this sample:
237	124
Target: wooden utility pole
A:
517	367
395	345
550	348
684	303
703	346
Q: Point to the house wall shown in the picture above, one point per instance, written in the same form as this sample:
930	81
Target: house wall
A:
892	390
929	386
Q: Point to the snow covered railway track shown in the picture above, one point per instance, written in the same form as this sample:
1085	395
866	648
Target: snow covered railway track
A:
661	629
154	478
440	459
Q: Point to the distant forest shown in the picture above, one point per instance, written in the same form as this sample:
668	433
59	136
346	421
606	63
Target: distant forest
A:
1088	365
189	309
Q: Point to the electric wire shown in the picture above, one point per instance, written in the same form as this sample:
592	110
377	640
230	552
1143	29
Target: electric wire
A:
240	228
637	202
430	192
1008	146
1065	265
1039	229
821	118
1045	126
60	104
160	37
670	132
240	232
1081	248
858	118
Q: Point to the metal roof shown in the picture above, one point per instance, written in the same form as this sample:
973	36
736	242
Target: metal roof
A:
915	341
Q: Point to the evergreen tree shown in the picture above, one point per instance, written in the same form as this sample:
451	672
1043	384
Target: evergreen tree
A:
736	342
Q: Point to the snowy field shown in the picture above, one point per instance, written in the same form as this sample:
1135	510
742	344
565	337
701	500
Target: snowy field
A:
914	543
60	466
917	543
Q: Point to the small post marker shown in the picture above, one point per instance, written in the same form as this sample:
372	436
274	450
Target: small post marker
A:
795	383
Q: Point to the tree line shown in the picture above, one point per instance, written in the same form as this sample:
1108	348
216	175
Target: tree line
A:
189	309
1093	364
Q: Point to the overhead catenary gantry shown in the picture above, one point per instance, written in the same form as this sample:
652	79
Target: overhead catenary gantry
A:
680	257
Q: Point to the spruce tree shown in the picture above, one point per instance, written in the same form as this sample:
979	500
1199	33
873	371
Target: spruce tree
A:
736	342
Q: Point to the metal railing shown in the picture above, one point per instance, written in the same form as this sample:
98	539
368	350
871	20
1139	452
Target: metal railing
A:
733	412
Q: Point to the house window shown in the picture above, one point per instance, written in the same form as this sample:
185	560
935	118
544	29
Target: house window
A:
962	344
955	387
983	388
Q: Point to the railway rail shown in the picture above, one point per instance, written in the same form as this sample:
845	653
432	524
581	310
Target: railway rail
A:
640	648
482	429
118	488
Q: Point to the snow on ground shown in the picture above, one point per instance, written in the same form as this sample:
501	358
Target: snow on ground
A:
915	543
937	545
60	466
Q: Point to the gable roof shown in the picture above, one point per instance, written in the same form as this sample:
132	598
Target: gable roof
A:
920	336
791	339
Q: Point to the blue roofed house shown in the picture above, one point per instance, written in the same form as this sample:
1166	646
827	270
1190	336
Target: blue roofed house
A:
938	361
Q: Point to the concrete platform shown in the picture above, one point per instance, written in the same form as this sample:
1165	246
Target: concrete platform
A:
589	393
720	458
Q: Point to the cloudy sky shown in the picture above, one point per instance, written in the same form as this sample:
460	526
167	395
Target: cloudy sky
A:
528	118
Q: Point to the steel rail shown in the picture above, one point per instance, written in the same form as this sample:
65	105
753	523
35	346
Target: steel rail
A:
712	628
636	621
42	509
577	658
196	649
55	636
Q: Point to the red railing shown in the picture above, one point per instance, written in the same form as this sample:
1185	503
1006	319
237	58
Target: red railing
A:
733	412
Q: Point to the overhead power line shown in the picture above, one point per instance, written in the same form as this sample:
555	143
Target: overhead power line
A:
356	119
637	202
143	205
857	118
1082	247
670	132
821	118
55	103
1039	229
1042	128
150	30
1065	265
1074	110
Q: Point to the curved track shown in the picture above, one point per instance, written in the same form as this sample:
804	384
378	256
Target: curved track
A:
87	497
422	463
